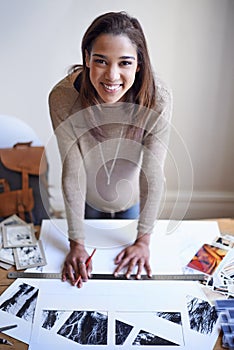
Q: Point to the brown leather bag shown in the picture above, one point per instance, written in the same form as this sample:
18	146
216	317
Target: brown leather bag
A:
28	161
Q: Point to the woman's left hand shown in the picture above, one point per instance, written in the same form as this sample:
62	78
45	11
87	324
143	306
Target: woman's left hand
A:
137	254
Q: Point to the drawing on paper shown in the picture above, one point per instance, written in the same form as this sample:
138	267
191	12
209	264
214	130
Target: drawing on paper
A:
147	338
22	302
122	331
202	316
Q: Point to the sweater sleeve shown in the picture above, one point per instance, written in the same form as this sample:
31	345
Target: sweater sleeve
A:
155	147
61	100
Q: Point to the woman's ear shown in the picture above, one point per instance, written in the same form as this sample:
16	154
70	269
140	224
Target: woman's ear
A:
138	68
87	59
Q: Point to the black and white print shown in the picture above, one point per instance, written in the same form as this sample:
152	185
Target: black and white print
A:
6	255
86	327
13	220
147	338
30	256
149	328
18	236
202	316
83	327
122	331
171	316
22	302
50	318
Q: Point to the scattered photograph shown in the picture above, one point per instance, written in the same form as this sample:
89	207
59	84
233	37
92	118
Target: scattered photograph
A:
225	240
30	256
146	338
22	302
171	316
50	318
7	256
122	331
18	236
13	220
202	316
86	327
149	328
5	266
207	259
228	269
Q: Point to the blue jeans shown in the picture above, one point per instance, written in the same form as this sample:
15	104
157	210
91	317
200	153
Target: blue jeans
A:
131	213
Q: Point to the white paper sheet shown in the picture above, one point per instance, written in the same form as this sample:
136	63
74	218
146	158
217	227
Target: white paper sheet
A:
169	252
134	303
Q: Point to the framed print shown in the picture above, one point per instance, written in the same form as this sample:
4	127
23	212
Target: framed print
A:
31	256
18	236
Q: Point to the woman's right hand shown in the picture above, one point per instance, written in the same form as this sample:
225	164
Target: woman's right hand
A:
74	268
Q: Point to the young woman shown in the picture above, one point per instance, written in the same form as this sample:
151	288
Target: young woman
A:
111	119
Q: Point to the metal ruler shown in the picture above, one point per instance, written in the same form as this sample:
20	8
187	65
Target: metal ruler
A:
170	277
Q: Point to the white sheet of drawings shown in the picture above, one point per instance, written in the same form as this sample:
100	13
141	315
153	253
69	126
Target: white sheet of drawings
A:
135	303
109	237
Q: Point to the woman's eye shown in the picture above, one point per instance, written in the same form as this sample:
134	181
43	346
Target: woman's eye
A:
100	61
125	63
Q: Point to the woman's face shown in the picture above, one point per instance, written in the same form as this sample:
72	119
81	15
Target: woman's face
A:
112	66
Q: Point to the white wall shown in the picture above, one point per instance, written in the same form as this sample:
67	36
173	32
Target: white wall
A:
191	45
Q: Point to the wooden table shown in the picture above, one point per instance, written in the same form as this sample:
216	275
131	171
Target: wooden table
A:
225	226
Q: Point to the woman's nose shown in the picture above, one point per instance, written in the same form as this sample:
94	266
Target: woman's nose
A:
112	73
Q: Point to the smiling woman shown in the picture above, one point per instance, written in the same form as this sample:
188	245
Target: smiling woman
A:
113	66
111	117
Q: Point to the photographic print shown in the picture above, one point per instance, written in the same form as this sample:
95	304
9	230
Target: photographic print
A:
18	236
5	266
17	306
207	259
7	256
91	327
22	302
202	316
13	220
146	338
171	316
31	256
50	318
122	331
86	327
149	328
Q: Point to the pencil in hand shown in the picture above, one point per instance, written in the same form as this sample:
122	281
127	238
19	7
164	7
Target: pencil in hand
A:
86	264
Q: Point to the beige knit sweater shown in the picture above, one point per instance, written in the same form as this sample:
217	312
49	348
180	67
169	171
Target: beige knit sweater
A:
113	172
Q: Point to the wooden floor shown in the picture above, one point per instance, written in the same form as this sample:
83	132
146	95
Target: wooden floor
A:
225	225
